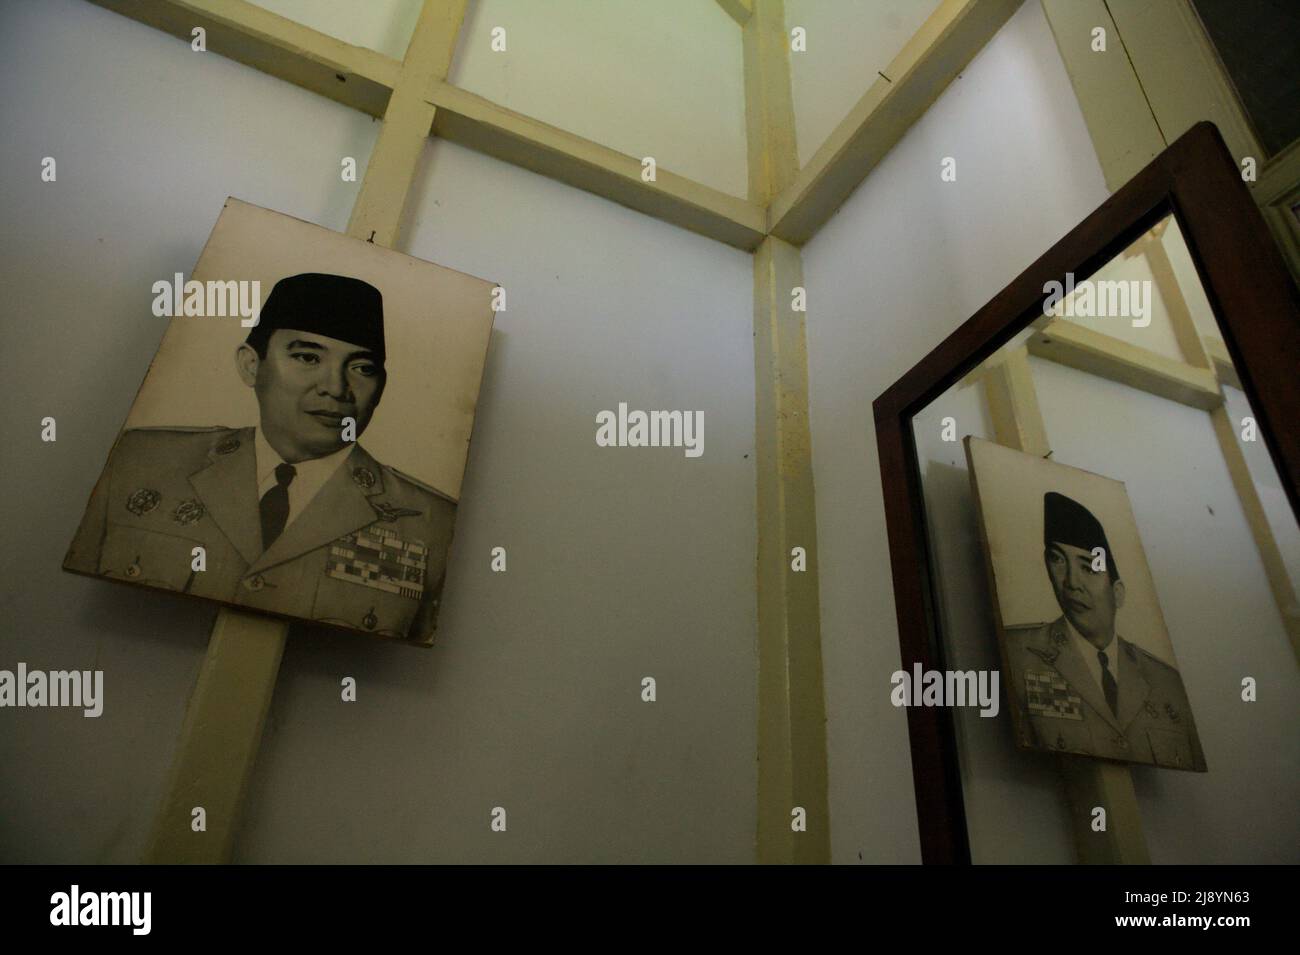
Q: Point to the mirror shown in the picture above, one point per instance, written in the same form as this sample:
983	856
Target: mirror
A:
1106	531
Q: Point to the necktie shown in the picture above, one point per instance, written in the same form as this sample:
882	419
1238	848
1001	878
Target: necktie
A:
1108	684
275	505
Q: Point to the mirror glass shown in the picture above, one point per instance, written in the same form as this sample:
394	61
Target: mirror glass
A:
1108	536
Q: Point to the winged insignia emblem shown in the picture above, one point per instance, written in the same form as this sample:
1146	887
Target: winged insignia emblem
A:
390	512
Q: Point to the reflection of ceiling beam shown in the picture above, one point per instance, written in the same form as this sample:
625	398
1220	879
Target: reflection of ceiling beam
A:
932	58
738	10
792	768
1143	242
1102	355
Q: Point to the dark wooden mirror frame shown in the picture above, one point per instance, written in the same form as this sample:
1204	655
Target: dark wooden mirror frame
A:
1258	309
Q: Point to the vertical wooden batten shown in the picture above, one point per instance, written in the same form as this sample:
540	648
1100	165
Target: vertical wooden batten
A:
1120	122
772	154
219	739
377	213
1180	72
792	772
226	716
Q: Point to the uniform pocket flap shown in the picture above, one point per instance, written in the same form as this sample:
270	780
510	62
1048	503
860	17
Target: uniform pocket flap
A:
147	557
1169	748
346	603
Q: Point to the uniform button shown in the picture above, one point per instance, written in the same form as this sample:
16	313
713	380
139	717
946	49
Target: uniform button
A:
370	621
255	582
133	570
1122	742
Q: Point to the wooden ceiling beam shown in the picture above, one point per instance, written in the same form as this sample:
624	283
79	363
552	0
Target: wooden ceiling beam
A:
364	80
930	60
738	10
485	127
241	31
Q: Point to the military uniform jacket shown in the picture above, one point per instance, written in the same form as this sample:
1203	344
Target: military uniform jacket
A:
368	552
1058	705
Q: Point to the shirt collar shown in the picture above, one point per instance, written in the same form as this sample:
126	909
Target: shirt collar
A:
1086	646
307	473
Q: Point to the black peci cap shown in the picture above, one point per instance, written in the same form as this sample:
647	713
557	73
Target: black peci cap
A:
1066	521
336	306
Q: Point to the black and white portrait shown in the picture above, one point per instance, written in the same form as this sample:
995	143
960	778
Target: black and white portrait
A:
1087	661
305	460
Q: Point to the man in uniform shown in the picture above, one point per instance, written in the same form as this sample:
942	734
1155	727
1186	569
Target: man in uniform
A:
294	517
1079	687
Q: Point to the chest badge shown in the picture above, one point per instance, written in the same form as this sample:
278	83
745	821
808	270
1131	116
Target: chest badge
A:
375	557
1048	656
187	512
143	501
1047	694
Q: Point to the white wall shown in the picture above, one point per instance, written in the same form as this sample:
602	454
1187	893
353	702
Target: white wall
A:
903	263
622	563
662	79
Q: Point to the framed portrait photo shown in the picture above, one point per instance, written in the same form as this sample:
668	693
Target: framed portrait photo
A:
299	441
1088	664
